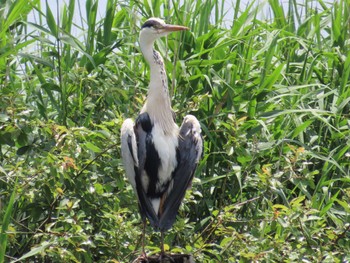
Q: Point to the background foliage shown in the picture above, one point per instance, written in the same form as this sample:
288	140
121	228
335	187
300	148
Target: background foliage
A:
269	84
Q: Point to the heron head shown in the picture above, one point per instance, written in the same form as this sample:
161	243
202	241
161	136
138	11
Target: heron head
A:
155	28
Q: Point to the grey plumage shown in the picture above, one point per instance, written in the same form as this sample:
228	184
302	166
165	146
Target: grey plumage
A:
159	157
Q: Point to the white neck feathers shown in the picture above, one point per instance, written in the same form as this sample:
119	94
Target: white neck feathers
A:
158	104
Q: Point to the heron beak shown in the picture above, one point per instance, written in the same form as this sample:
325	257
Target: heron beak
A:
172	28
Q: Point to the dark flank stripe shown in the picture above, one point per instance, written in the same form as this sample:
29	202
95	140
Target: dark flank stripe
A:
152	161
151	167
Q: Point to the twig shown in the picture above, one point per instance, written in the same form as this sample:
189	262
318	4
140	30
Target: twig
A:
94	159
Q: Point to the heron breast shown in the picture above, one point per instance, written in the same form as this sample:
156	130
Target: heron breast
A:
165	145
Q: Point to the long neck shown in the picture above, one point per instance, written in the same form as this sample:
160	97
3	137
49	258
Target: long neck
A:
158	104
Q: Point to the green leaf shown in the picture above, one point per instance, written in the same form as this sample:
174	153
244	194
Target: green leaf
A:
35	251
93	147
271	80
37	59
23	150
51	21
6	222
302	127
4	117
99	188
17	9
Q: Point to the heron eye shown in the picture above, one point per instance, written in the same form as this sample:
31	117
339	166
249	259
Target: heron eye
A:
157	26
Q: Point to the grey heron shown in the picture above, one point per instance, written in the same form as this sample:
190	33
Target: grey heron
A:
159	157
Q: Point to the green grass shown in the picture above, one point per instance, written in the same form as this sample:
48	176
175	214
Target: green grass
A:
273	98
5	225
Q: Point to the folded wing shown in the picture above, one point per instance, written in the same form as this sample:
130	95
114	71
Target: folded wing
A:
189	153
133	150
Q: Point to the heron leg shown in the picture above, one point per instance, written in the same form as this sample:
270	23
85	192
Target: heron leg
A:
143	239
162	243
143	257
162	251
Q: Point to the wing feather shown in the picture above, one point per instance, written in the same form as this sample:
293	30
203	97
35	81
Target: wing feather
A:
146	208
133	150
189	153
129	150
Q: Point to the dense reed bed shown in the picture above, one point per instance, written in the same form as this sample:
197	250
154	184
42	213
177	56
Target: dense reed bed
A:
269	83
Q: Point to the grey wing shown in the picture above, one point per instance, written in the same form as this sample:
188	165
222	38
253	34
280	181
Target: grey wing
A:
190	150
129	151
145	205
133	149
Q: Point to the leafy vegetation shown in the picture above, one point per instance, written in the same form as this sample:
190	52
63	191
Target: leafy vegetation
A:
273	98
